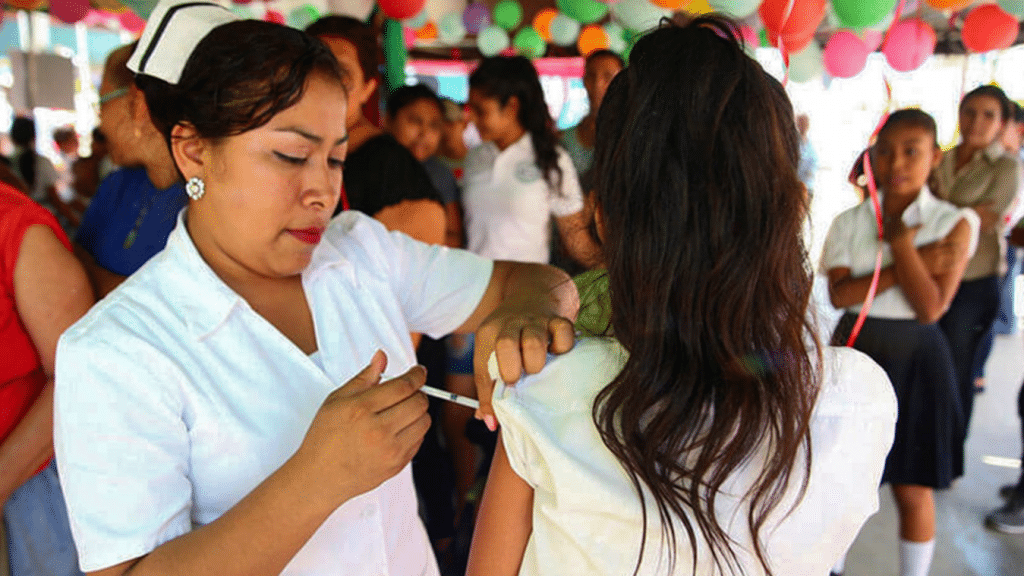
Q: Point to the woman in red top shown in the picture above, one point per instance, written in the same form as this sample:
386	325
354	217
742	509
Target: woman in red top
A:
43	290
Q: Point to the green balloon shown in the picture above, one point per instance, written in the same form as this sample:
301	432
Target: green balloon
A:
583	11
529	43
762	36
508	14
860	13
303	16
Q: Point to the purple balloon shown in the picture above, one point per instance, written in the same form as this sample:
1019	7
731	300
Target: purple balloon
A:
476	17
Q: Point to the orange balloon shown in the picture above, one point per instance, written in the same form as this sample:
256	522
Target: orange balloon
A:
954	5
26	4
670	4
542	22
592	38
428	32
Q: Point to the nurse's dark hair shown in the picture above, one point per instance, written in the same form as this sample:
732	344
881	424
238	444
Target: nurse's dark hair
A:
702	212
237	78
501	78
995	92
912	118
407	95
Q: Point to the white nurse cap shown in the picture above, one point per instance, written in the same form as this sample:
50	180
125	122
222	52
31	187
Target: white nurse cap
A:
172	32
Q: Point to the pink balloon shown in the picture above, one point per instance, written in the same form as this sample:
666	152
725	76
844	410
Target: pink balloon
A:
845	54
749	36
70	11
872	38
409	35
131	22
909	44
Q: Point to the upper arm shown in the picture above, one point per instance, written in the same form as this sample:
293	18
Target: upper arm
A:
421	219
51	290
504	522
1003	189
836	276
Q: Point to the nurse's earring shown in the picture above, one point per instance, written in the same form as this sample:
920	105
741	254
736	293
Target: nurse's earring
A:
195	188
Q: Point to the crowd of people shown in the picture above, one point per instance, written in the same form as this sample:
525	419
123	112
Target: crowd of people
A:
217	362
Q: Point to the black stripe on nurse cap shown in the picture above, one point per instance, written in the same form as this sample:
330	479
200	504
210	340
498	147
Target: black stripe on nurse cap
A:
172	32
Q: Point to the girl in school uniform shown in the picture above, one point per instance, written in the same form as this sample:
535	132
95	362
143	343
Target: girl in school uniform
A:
711	435
927	245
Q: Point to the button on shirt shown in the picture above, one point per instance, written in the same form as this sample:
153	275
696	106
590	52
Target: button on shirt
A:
508	204
586	514
991	176
175	399
852	242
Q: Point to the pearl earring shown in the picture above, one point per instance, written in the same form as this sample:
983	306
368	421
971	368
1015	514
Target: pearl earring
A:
195	188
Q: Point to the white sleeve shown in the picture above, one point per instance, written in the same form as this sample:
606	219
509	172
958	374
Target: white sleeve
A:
568	200
437	287
836	252
122	447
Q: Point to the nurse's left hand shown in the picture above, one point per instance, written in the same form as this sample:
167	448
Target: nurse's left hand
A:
536	318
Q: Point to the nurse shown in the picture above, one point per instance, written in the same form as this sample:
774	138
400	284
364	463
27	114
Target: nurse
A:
224	410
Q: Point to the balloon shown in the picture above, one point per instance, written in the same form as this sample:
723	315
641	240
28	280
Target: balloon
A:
25	4
845	54
909	44
988	27
1015	7
638	15
492	40
476	17
583	11
670	4
954	5
358	9
408	37
529	43
427	32
735	8
616	37
69	11
508	14
418	21
303	16
806	64
450	29
401	9
872	38
861	13
564	30
749	37
697	7
274	16
795	29
542	22
131	22
592	38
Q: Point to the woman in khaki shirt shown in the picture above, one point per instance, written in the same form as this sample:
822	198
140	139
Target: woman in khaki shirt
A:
978	174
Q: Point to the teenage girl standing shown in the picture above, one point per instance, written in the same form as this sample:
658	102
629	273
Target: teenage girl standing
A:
926	248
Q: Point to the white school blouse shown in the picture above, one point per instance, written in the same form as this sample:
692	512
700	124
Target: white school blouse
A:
587	517
508	204
852	242
175	399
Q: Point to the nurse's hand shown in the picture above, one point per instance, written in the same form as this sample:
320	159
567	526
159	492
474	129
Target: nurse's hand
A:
365	432
520	332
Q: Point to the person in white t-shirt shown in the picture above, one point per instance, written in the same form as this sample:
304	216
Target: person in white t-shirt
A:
710	433
223	411
519	178
927	245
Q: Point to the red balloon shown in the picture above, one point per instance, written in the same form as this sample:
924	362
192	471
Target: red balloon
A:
989	27
402	9
69	11
796	26
274	16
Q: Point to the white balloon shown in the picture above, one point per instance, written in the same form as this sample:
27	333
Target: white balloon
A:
639	15
735	8
358	9
806	64
450	29
492	40
616	40
564	30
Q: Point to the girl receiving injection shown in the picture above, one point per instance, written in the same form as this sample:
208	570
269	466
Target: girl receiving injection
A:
712	434
927	245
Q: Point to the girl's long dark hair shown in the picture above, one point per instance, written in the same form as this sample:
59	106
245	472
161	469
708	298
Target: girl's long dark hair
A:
23	133
696	167
503	77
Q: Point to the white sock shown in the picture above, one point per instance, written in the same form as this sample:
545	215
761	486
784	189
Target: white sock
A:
840	565
916	557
